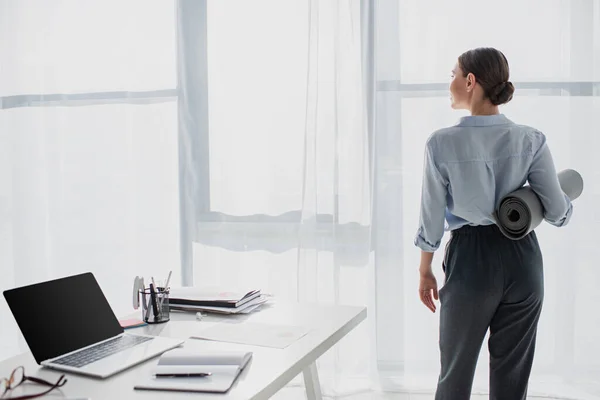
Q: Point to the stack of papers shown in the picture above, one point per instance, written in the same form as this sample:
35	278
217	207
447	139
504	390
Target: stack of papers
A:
215	301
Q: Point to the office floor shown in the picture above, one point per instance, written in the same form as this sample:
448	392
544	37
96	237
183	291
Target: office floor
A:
297	393
545	387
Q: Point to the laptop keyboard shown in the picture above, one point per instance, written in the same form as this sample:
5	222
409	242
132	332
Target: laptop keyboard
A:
98	352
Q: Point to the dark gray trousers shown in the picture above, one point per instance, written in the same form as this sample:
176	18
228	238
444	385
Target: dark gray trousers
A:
496	283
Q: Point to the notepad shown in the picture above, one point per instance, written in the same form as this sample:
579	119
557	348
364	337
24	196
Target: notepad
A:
223	367
131	323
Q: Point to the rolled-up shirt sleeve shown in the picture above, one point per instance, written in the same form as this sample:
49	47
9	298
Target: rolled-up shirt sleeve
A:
543	180
433	205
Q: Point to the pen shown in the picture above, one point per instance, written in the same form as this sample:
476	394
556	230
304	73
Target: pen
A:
168	279
147	305
153	298
191	375
165	288
143	295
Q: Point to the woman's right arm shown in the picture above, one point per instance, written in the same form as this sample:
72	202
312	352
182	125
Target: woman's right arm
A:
544	182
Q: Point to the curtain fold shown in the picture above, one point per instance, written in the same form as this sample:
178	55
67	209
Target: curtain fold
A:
337	181
292	212
88	148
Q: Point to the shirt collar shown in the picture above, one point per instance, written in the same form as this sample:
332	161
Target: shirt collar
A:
484	120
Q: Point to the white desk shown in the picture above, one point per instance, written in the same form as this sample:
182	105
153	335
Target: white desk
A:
269	371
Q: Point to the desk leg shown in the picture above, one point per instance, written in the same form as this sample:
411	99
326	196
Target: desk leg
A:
311	382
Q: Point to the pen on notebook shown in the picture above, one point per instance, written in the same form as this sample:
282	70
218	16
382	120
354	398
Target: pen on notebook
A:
190	375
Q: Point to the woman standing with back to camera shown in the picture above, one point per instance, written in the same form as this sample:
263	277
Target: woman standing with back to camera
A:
491	281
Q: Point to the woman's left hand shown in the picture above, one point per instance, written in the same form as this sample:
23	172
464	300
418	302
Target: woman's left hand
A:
428	289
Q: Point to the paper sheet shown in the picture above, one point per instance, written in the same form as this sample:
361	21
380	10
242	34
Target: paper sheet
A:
257	334
185	329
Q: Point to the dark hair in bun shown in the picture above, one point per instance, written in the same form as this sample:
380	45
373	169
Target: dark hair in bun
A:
501	93
491	70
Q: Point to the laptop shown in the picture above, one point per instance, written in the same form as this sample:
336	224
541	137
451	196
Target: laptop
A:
69	326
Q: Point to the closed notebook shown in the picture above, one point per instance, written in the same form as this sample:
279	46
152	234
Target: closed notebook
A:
244	308
196	296
223	367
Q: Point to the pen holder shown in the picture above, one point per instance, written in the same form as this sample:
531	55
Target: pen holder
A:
155	306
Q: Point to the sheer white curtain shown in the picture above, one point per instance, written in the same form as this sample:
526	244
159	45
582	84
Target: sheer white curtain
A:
553	48
289	181
282	122
88	146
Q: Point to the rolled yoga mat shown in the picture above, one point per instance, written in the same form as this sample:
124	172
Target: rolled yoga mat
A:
521	211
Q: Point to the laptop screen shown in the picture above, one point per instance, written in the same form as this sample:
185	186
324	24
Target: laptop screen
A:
63	315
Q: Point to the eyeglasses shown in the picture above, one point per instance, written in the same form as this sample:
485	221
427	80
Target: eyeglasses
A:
17	377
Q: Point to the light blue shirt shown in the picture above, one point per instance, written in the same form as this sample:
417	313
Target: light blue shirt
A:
470	167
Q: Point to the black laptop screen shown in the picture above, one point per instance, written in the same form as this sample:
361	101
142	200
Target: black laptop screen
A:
63	315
